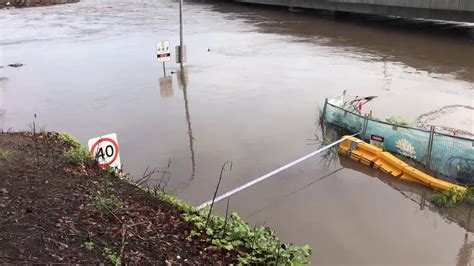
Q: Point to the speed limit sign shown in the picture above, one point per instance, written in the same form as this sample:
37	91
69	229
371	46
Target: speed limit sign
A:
106	150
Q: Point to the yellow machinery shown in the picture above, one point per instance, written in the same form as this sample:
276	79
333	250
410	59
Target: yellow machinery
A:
375	157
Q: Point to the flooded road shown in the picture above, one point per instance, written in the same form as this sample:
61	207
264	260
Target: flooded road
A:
251	93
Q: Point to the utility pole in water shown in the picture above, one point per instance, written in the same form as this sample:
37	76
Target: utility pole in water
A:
181	44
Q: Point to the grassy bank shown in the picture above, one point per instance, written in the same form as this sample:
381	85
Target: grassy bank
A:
57	205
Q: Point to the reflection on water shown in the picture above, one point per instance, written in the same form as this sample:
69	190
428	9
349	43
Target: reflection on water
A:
166	90
182	75
464	256
461	215
286	196
166	86
420	44
421	195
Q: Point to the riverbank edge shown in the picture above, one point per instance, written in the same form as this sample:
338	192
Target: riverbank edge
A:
231	237
33	3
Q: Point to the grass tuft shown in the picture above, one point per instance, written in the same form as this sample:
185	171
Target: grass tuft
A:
108	204
70	140
112	256
76	156
5	155
261	242
449	198
89	245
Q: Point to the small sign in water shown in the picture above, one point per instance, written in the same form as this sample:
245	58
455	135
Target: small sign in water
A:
105	149
163	51
377	140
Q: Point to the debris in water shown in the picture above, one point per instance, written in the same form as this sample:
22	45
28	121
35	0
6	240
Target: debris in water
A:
424	119
15	65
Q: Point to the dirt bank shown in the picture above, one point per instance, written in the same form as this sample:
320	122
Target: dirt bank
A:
57	205
31	3
63	211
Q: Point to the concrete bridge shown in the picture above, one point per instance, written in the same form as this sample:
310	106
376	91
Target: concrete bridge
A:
453	10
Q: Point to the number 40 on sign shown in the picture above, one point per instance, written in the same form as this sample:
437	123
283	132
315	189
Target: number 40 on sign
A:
106	150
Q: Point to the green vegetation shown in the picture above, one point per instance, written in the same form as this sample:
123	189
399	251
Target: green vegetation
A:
5	155
469	195
76	156
71	140
114	171
112	256
258	245
89	245
398	121
178	203
450	197
260	242
108	203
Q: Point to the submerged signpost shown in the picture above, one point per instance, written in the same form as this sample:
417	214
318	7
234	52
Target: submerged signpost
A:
163	53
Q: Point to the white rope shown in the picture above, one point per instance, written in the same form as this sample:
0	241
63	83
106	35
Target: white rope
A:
276	171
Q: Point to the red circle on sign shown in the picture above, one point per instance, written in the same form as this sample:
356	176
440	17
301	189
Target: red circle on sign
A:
103	165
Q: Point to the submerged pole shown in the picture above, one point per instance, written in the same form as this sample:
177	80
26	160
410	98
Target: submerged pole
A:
430	147
181	32
324	109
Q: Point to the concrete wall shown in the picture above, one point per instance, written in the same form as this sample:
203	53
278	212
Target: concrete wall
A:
455	10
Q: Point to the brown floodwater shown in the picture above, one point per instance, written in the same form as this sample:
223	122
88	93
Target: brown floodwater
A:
251	93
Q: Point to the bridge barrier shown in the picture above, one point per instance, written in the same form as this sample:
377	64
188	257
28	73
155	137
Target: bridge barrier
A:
451	10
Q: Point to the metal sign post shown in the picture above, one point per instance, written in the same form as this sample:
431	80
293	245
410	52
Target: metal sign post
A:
181	57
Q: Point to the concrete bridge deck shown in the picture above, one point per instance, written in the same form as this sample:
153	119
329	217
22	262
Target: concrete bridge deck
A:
452	10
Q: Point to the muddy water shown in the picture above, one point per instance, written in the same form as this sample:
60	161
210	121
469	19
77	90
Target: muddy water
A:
251	93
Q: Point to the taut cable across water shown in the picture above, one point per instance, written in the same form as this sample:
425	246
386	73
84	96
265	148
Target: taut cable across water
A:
274	172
